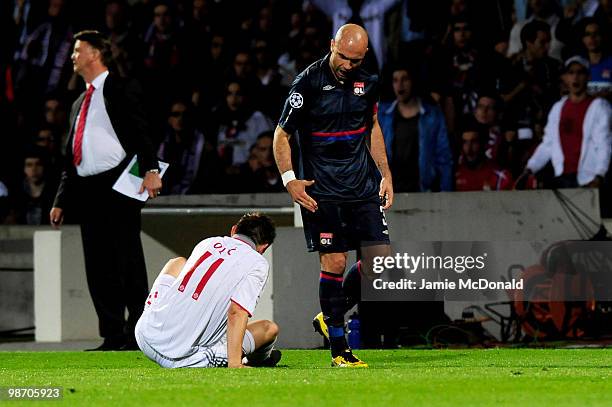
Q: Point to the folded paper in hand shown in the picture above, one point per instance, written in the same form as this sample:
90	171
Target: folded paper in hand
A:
130	181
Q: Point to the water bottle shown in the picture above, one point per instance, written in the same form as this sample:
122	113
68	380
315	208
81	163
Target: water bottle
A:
354	332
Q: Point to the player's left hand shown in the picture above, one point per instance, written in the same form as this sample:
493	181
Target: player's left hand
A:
386	192
152	183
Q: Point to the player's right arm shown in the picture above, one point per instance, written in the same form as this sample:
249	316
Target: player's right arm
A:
296	187
242	305
294	117
237	319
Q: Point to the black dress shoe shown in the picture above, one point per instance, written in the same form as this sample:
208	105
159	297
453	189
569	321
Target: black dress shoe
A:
108	345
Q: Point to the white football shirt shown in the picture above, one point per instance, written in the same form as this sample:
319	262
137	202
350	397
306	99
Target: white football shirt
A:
192	312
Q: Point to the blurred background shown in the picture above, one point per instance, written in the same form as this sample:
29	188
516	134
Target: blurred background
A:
485	74
216	73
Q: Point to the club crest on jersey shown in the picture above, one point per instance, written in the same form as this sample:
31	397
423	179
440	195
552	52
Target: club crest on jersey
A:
296	100
326	239
359	88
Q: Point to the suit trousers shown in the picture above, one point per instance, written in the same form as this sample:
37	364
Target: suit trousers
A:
114	259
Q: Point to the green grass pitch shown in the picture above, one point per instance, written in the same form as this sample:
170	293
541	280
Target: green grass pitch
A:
476	377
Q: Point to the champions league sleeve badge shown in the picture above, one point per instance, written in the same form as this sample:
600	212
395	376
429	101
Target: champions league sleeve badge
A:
296	100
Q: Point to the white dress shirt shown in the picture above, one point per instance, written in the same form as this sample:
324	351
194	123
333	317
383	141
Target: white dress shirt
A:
101	149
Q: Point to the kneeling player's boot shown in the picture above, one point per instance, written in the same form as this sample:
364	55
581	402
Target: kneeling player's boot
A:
347	359
320	326
270	361
273	359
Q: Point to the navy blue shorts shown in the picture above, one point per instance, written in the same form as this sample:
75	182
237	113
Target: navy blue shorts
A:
337	227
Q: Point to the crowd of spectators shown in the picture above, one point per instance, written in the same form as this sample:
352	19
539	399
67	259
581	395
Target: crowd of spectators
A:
468	85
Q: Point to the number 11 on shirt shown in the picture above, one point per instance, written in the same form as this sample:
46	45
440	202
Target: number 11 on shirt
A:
211	270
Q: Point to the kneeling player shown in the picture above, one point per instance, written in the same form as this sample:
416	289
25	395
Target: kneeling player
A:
198	309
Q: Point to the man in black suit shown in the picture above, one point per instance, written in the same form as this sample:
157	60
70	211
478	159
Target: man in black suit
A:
108	126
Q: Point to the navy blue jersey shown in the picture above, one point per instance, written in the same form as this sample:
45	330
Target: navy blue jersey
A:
332	122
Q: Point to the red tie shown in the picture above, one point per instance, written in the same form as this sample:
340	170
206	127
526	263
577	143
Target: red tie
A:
78	138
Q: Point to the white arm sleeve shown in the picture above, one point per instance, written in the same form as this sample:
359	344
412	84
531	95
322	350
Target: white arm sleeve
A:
543	152
602	138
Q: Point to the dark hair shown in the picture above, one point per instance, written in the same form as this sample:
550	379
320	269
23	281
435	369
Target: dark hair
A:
45	127
243	50
414	73
460	18
188	115
237	81
468	124
411	68
55	95
258	227
122	3
167	3
530	31
182	101
98	41
264	134
584	22
34	151
487	92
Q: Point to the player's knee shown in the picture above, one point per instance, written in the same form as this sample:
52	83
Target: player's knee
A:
272	329
335	264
